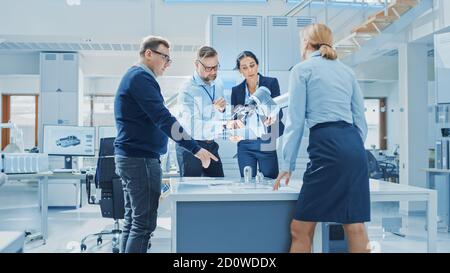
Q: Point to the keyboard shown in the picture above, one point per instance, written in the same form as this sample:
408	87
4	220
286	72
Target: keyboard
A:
64	171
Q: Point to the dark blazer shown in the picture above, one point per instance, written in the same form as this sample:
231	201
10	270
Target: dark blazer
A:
238	96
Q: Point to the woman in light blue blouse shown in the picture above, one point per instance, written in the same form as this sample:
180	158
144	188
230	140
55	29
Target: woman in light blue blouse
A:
325	96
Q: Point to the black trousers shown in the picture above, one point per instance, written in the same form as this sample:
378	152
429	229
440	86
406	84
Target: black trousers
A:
190	166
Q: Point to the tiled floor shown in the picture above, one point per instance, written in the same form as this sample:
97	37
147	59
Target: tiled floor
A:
19	211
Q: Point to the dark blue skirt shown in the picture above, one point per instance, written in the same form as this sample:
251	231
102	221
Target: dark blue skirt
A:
336	181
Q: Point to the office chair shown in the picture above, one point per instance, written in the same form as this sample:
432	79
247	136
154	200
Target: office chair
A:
112	200
375	171
390	171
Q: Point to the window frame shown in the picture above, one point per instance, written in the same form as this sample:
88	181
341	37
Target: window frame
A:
382	134
6	117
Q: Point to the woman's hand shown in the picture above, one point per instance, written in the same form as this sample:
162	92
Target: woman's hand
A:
235	124
269	121
282	175
235	139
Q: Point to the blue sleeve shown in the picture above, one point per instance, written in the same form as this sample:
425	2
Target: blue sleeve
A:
295	122
275	88
358	109
147	94
233	96
234	92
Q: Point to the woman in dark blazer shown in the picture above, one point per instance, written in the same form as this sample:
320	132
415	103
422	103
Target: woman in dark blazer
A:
256	148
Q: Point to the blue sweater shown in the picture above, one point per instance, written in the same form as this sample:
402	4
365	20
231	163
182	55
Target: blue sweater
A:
142	120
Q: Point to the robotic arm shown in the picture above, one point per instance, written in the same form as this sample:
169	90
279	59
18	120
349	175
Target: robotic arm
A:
262	103
16	138
282	100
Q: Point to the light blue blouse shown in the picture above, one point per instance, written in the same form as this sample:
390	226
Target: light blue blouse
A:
320	90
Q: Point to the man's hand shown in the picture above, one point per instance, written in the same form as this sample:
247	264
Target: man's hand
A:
269	121
205	157
220	104
235	124
281	175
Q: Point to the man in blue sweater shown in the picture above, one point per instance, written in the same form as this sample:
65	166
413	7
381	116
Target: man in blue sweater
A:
143	127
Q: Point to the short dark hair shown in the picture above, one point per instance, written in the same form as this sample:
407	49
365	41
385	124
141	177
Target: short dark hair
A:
242	55
152	42
206	52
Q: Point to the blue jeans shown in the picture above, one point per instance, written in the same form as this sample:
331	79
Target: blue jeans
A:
141	182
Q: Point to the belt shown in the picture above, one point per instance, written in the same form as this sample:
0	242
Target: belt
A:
330	124
206	141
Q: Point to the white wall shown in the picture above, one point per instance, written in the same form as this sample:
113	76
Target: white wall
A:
437	19
101	20
19	63
19	84
192	17
107	65
383	68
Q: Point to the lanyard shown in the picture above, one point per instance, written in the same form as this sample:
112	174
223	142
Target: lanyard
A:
209	95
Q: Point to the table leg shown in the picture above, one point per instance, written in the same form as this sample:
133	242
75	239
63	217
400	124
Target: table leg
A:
317	239
432	222
44	207
79	193
430	181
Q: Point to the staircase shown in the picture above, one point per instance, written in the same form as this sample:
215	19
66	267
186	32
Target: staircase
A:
374	26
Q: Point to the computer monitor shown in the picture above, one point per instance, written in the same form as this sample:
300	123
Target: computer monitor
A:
69	141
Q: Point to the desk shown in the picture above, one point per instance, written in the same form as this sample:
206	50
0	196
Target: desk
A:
43	179
242	217
11	241
444	202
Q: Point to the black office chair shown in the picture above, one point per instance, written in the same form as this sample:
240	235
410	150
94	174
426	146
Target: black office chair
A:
112	200
390	171
375	171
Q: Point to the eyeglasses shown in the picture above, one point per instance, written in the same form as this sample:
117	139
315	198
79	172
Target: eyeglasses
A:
209	68
164	56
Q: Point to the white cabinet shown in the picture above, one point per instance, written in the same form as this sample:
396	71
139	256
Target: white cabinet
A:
59	97
283	41
59	89
59	72
59	108
277	50
49	72
64	193
231	34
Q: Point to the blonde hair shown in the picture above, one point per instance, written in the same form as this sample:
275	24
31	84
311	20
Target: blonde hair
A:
320	37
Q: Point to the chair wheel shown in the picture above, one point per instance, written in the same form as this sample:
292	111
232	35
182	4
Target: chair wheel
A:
83	247
115	250
99	241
